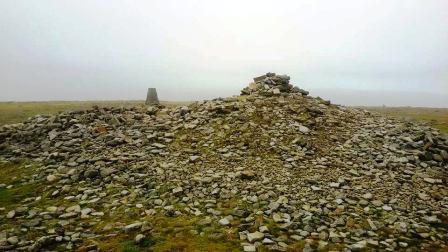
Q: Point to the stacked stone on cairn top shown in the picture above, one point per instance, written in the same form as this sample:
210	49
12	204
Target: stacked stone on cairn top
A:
271	84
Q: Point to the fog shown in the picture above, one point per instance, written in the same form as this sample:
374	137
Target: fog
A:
370	52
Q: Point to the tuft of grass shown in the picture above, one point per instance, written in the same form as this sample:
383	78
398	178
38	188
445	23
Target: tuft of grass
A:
16	194
296	246
12	173
5	197
188	242
130	246
15	175
170	234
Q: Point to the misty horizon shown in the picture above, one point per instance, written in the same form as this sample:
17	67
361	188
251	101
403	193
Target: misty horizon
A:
370	53
341	97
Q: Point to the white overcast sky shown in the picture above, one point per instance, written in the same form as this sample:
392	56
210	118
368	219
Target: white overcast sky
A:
355	52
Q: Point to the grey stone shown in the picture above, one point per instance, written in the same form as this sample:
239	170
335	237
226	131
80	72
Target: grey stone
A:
194	158
267	241
177	190
132	227
316	188
277	218
139	238
444	155
296	237
377	203
91	173
249	248
260	78
430	180
52	178
334	185
256	236
11	214
359	245
224	222
263	229
387	208
273	205
431	219
304	129
367	196
247	174
13	240
74	208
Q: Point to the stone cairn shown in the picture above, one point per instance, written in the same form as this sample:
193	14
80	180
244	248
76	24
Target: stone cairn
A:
273	170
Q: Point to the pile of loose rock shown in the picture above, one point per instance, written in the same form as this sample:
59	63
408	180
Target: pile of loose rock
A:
429	147
274	167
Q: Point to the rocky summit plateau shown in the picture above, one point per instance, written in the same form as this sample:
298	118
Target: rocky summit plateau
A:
273	169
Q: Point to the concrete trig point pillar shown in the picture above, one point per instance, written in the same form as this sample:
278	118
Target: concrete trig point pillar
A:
151	97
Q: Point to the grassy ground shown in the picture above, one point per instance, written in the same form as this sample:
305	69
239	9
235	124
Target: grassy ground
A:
14	112
436	117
